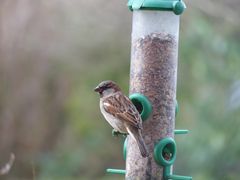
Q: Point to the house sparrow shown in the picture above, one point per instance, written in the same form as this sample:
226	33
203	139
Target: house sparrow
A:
120	113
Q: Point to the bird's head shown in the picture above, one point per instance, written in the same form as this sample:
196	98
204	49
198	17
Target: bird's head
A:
106	88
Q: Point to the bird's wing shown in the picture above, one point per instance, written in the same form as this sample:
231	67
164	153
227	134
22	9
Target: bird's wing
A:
122	108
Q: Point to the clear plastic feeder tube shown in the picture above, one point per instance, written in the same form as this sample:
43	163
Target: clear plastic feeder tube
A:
154	53
148	22
153	73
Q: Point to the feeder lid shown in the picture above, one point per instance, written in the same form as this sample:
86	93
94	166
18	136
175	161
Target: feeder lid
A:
177	6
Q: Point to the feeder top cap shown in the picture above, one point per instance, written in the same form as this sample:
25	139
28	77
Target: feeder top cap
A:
177	6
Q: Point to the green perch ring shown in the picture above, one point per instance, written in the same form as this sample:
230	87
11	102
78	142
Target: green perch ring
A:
142	104
176	108
125	150
165	152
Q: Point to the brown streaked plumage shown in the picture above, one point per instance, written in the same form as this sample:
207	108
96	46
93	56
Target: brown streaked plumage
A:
120	112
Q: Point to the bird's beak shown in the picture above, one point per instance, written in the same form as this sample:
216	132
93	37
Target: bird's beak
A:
96	89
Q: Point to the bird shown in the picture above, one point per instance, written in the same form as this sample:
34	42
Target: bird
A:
120	113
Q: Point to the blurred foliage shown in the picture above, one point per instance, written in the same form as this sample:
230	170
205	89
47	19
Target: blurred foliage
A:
52	55
208	67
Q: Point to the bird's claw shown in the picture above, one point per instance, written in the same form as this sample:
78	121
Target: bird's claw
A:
116	133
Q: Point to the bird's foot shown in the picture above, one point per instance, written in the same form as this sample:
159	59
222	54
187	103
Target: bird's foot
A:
116	133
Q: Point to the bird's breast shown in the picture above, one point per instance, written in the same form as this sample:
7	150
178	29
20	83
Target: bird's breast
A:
113	121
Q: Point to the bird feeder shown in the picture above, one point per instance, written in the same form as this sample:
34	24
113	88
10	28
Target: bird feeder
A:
153	74
153	79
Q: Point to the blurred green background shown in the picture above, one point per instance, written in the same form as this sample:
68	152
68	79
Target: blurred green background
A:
52	55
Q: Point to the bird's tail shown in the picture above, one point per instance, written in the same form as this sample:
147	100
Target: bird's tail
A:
141	145
137	136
